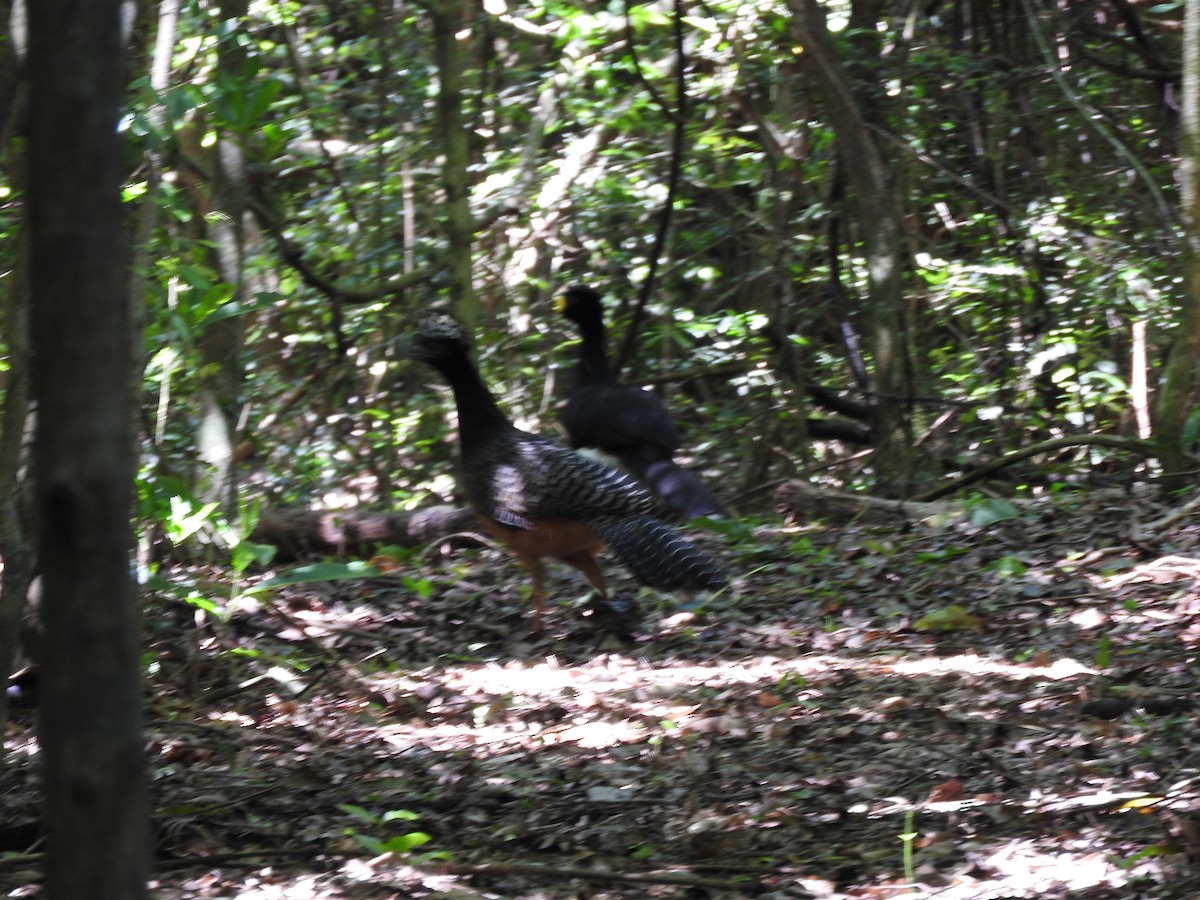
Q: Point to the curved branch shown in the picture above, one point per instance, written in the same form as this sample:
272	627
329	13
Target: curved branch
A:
291	253
1130	445
664	222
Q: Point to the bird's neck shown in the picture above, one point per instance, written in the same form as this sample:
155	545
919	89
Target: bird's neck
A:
477	408
592	367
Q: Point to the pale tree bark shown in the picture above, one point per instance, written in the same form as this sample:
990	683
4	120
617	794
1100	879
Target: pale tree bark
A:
882	238
221	342
1177	393
90	722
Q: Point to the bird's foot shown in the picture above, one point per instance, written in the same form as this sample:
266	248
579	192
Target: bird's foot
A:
619	616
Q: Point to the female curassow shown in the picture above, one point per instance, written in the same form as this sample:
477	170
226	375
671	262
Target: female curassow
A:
624	421
542	500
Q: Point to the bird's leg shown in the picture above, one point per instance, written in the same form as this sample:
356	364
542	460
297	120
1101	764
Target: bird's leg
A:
619	617
586	563
537	574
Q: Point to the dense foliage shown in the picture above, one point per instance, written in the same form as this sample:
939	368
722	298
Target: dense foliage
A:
1031	149
1030	146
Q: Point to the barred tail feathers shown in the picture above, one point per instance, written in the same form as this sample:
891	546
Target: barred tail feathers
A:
657	555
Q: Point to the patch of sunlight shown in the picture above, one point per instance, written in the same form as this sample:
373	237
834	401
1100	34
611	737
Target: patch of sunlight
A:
969	664
651	694
622	674
25	745
619	674
266	885
1021	869
596	735
1163	570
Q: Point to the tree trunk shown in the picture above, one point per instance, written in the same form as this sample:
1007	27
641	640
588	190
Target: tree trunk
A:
90	724
1174	403
15	548
221	342
880	228
456	154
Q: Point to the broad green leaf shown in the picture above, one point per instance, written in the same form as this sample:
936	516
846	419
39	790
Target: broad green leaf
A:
989	512
951	618
317	572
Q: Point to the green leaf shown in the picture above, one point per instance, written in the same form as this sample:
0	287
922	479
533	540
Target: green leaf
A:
951	618
990	511
181	100
247	552
405	815
230	310
405	843
186	520
359	813
260	98
317	572
203	603
373	844
1147	851
642	16
196	277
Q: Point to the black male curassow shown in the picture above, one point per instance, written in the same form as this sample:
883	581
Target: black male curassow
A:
624	421
540	499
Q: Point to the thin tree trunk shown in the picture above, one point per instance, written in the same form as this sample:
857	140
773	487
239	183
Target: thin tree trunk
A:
90	723
146	219
1175	397
15	549
879	225
221	342
147	213
456	154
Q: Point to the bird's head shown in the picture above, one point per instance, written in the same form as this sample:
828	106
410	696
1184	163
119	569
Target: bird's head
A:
439	336
577	302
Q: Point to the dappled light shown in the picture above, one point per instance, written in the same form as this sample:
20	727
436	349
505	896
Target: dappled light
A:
780	737
591	450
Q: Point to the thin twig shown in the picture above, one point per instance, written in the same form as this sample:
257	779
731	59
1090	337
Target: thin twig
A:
740	884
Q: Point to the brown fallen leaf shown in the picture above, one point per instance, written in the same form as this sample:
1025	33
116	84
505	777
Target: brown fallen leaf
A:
946	792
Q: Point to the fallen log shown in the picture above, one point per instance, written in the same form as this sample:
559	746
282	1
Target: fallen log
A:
349	532
800	501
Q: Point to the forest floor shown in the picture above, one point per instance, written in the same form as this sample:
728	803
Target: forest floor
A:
936	710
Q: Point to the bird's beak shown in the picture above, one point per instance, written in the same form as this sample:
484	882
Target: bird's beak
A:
560	304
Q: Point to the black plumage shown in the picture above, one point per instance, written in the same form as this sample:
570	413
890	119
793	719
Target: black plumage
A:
626	422
541	499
